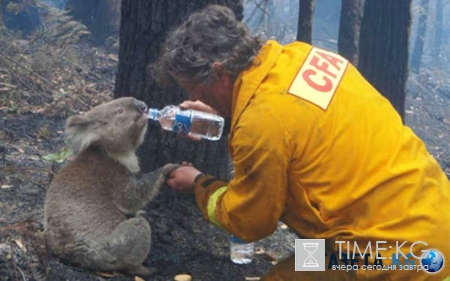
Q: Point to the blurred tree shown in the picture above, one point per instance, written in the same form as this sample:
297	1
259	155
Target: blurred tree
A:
438	32
349	27
20	15
101	17
446	28
416	55
305	17
383	48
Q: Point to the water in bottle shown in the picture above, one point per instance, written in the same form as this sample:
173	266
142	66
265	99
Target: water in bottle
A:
241	252
191	122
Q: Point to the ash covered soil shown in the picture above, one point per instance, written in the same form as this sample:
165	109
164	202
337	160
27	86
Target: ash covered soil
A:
31	143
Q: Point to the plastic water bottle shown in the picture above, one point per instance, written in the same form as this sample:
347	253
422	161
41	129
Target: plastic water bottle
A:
241	252
188	121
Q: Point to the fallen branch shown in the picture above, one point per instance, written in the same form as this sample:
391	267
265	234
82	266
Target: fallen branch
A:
8	85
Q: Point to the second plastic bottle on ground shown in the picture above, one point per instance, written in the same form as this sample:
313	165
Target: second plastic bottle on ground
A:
241	252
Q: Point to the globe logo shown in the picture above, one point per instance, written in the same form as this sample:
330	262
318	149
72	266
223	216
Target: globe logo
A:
432	261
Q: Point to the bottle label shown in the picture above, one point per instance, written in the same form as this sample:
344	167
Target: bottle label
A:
182	122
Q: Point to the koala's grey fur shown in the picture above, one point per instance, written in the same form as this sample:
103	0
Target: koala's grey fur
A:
92	207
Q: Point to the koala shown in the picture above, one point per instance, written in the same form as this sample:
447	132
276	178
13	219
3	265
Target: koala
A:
93	216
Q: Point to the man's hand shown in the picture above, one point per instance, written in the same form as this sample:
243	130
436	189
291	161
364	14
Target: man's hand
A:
182	179
197	105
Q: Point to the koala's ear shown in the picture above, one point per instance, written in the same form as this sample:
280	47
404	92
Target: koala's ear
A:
78	120
78	134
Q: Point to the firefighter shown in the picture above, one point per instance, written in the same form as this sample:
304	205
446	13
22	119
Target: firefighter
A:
314	145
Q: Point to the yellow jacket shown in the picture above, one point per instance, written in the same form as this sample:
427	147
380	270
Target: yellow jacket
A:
316	146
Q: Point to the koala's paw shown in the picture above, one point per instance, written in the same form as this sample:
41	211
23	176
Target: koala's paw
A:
169	168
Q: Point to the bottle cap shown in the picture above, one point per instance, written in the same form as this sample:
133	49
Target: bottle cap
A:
236	239
151	114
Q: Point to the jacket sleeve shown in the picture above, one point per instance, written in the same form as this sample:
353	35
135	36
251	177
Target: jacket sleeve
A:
250	205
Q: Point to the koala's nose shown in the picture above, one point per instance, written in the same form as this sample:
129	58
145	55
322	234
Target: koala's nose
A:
140	106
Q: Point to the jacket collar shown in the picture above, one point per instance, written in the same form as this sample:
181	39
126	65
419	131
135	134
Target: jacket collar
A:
250	79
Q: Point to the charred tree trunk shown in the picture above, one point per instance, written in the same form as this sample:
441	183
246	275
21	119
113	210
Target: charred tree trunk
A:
181	240
417	52
349	27
305	16
383	53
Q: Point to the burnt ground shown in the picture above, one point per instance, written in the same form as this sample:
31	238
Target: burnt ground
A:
31	144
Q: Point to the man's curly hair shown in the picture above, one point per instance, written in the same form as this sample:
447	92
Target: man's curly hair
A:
210	35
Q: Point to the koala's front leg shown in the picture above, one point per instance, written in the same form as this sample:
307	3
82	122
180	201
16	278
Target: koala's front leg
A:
140	190
155	180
